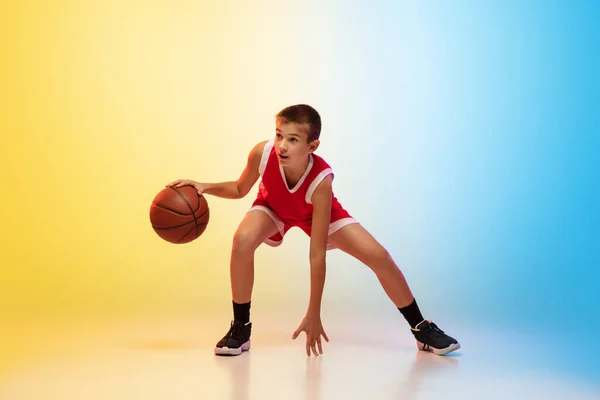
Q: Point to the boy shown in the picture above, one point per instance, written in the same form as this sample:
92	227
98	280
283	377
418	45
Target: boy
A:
296	190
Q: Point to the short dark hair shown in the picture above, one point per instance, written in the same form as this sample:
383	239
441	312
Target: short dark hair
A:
303	114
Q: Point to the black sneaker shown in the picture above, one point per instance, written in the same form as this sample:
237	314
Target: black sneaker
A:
236	340
433	339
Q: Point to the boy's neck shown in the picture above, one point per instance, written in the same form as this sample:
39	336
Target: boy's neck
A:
293	175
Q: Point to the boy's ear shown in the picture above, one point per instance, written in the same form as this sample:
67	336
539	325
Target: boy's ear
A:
314	145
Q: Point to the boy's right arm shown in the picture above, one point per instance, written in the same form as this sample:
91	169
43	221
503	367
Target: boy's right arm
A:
233	189
241	187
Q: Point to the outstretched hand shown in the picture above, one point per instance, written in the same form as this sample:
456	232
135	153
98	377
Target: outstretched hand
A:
314	330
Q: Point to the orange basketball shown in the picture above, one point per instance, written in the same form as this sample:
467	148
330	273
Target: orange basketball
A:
179	215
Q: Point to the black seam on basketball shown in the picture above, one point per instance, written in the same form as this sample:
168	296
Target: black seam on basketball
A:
190	206
178	213
202	215
171	227
185	199
178	226
187	233
170	209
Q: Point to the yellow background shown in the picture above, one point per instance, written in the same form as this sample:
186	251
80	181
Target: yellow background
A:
103	103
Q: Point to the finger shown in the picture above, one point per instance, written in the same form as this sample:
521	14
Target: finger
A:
325	336
307	348
320	345
310	343
314	349
295	334
173	183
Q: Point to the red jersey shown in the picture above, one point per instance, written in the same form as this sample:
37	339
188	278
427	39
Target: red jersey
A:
290	207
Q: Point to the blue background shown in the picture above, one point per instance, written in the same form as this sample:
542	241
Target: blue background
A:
477	127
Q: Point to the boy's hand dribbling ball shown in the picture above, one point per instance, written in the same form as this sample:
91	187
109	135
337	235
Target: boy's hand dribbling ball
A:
179	214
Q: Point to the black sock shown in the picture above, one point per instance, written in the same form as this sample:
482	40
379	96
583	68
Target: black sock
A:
241	312
412	314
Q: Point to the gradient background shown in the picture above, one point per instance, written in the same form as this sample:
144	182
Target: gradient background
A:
464	135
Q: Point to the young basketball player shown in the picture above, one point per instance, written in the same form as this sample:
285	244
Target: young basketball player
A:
296	190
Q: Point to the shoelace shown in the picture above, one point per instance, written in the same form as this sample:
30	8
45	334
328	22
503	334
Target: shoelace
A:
235	330
434	331
435	327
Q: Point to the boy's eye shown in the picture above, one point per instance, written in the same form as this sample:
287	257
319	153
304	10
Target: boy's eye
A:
293	139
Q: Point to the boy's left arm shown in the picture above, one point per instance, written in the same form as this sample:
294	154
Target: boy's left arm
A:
321	201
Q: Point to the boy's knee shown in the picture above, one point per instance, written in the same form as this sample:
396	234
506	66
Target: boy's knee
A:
244	241
379	257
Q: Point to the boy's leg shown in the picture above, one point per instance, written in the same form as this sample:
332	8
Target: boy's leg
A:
356	241
256	227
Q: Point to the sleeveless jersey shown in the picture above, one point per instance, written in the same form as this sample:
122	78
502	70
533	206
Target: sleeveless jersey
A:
292	206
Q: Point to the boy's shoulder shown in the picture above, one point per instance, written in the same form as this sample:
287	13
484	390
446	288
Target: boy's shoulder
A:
258	149
260	146
319	160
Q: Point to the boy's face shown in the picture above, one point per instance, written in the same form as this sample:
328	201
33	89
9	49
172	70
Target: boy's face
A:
291	143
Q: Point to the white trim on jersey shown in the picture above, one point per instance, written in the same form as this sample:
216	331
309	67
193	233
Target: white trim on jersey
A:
271	214
273	243
318	179
339	224
336	226
301	181
333	227
265	157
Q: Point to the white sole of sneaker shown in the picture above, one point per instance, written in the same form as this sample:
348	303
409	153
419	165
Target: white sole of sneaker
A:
439	352
226	351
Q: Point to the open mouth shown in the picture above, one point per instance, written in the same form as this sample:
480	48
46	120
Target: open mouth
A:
283	157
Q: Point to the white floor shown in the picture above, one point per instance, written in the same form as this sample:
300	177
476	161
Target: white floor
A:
173	359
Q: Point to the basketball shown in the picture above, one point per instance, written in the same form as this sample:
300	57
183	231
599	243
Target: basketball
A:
179	215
